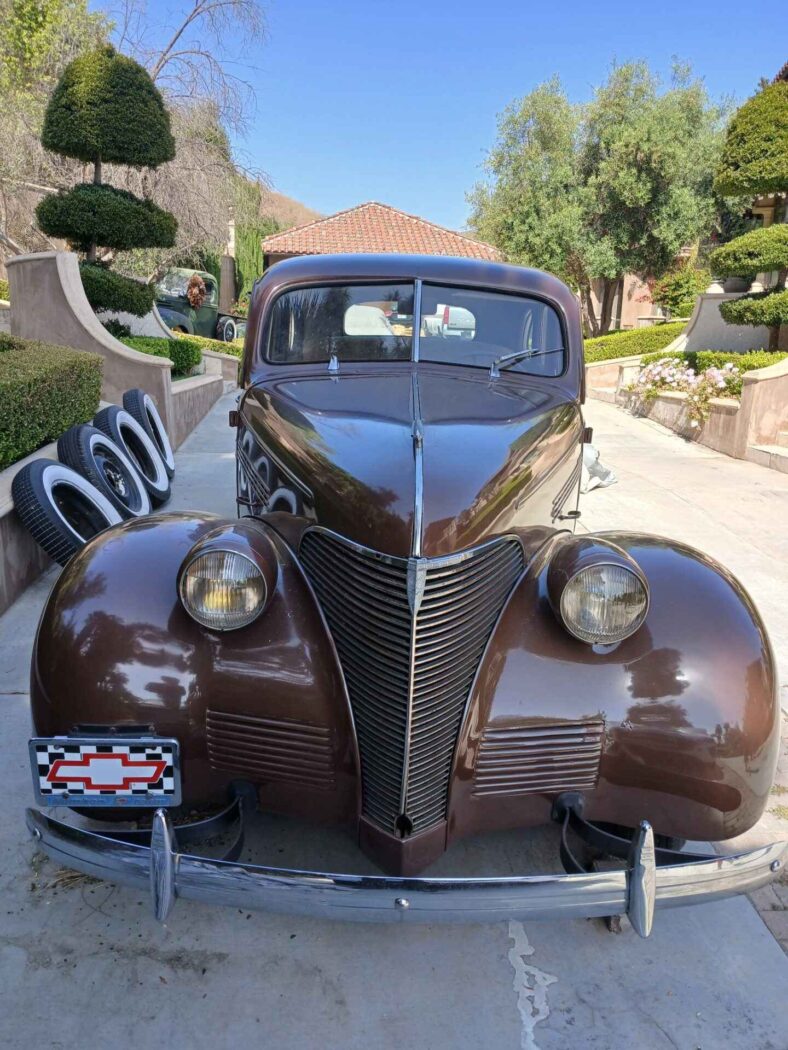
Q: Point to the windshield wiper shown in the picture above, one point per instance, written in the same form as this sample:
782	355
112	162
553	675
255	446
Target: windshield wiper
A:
518	355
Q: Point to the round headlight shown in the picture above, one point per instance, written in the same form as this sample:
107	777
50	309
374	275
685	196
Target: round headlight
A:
223	590
604	603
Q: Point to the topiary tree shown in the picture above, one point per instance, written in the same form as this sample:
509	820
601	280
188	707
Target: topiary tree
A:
755	162
106	109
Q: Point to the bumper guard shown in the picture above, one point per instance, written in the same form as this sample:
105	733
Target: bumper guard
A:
152	861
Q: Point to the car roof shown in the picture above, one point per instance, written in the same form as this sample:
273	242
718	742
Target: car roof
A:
440	269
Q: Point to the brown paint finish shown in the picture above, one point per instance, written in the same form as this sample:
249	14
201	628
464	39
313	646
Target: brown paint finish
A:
494	457
678	724
115	647
688	702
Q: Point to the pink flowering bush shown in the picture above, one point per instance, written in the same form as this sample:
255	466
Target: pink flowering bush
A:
672	374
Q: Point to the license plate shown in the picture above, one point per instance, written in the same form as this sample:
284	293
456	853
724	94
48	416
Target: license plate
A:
106	771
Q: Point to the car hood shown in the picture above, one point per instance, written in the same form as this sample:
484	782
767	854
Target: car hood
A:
348	443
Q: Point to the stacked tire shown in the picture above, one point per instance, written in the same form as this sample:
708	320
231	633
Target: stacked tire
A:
116	468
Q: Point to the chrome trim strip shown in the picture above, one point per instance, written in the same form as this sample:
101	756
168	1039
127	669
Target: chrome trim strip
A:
417	433
379	898
416	339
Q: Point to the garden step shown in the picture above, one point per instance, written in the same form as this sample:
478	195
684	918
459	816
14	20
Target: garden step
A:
603	393
774	456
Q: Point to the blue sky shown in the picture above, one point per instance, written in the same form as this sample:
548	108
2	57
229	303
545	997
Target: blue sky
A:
397	102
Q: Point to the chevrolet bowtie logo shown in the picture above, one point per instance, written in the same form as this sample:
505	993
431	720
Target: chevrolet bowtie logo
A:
107	772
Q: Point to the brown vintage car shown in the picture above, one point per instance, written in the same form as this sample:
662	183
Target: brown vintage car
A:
402	632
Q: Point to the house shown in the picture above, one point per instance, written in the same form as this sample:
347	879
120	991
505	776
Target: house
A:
371	228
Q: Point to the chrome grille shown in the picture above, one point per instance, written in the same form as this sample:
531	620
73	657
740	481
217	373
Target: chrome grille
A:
271	749
547	757
409	661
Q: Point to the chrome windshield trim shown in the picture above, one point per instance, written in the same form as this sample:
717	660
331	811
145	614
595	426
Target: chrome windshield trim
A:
379	898
416	338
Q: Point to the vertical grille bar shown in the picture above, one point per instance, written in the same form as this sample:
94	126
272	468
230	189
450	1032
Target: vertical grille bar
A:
393	658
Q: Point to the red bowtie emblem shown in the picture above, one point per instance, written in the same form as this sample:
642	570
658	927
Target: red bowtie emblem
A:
107	772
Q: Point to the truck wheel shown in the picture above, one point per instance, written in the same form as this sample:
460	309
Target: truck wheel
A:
226	330
60	509
96	457
143	408
125	431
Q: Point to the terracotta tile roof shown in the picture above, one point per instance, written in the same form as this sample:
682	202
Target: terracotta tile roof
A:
374	227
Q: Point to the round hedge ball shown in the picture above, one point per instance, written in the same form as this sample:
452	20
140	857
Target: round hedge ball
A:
106	108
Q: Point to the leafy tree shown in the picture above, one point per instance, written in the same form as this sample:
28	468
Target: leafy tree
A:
755	158
38	38
594	192
678	289
755	161
106	108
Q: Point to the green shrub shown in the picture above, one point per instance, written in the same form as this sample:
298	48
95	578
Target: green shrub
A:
755	155
117	328
678	289
5	291
44	390
768	308
236	348
185	353
759	251
107	290
90	214
700	360
636	341
106	107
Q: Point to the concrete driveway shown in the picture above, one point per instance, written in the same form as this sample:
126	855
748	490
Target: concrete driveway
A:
83	963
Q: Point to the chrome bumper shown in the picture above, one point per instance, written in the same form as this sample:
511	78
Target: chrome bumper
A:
159	869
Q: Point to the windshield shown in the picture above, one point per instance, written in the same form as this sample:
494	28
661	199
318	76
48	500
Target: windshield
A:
372	322
463	327
375	323
174	284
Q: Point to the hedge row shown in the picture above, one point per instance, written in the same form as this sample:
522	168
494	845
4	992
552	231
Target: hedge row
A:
5	291
44	390
185	353
636	341
105	215
759	251
700	360
236	348
107	290
768	308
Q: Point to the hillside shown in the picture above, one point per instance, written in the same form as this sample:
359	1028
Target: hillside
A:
286	211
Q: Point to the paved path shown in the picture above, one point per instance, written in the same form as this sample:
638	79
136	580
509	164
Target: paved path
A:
78	956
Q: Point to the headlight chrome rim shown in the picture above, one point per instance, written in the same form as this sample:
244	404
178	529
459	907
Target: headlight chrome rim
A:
235	619
610	637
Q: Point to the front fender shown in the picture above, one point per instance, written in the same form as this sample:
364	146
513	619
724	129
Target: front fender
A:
678	724
115	647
